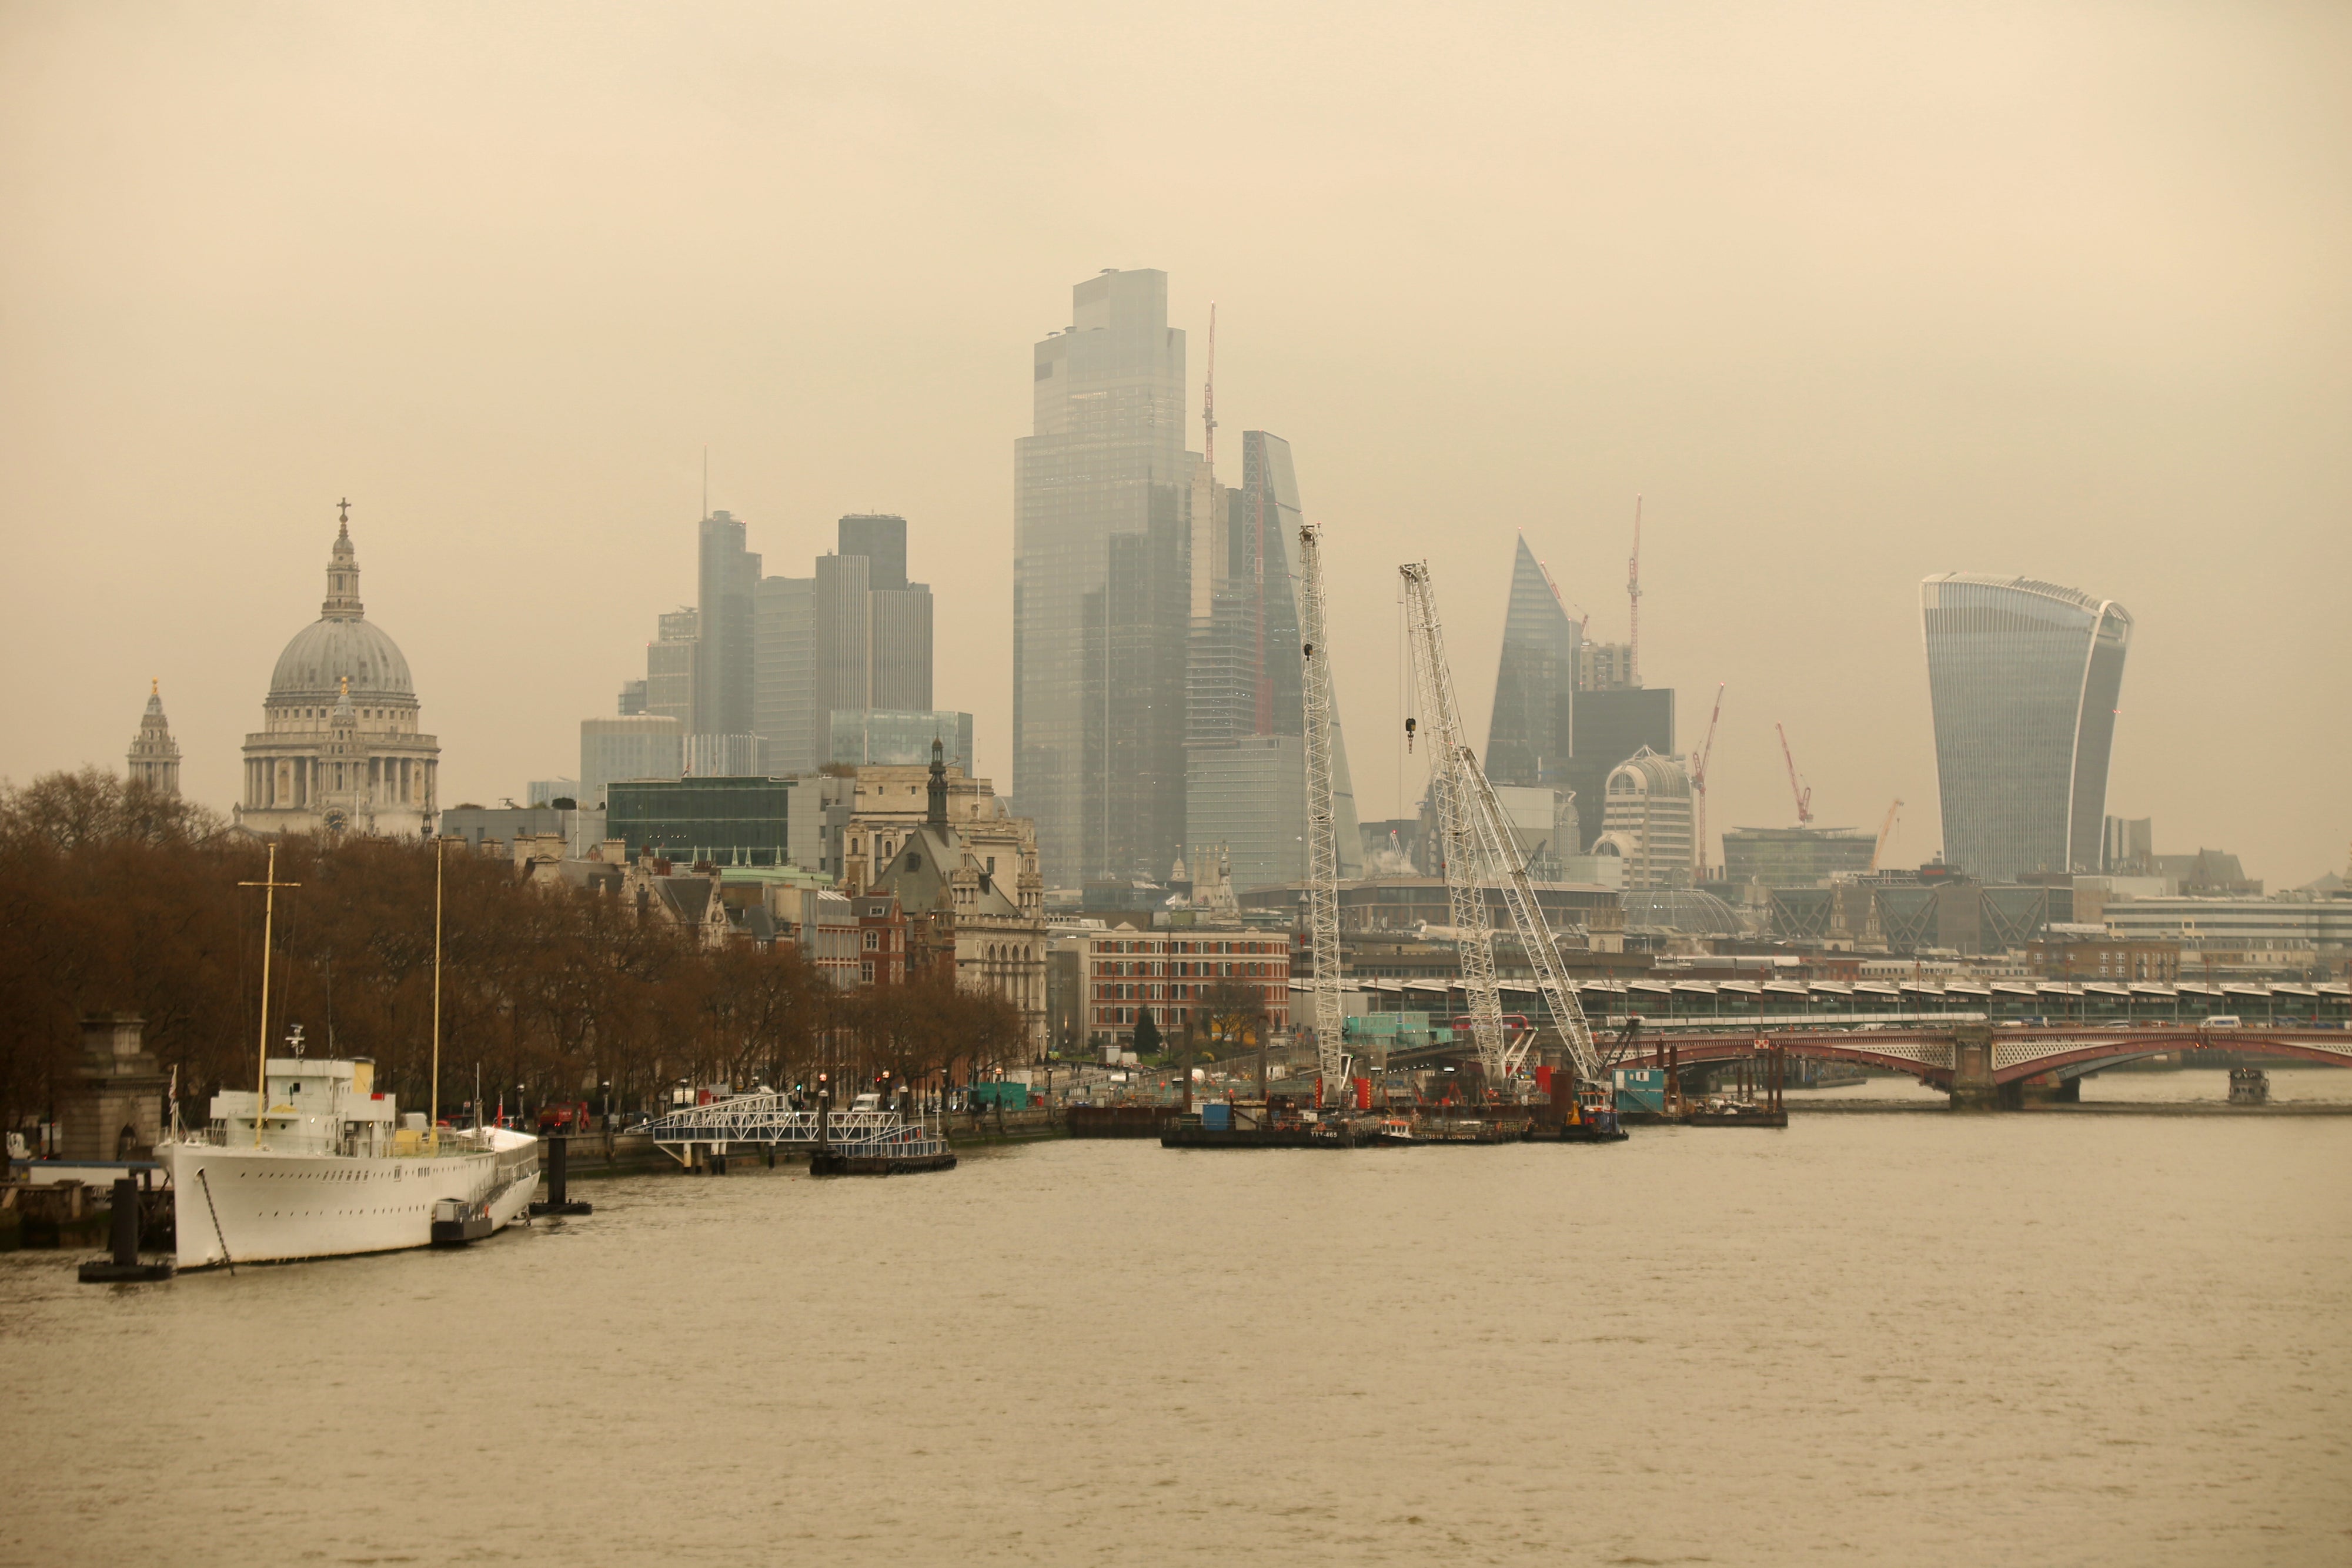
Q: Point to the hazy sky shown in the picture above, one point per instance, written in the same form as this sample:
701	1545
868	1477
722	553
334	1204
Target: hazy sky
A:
1851	293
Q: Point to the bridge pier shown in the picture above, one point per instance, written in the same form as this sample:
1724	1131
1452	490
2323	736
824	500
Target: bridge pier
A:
2044	1090
1973	1088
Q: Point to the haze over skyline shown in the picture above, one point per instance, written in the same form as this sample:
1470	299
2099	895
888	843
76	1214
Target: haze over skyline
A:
1849	296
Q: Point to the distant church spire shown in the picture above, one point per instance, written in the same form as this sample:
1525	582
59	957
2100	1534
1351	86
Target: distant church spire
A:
154	756
342	601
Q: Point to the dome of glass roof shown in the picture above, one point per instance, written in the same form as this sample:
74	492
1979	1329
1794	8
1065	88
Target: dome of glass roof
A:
1683	911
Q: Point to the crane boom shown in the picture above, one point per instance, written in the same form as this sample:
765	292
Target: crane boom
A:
1458	843
1803	792
1878	850
1699	777
1634	601
1480	849
1322	840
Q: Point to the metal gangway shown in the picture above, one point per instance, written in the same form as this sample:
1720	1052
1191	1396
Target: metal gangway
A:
768	1121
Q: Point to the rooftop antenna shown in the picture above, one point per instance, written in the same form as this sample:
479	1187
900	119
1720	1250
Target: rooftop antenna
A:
1634	597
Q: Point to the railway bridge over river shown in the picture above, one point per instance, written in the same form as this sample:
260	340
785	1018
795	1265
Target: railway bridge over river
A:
1981	1041
1982	1065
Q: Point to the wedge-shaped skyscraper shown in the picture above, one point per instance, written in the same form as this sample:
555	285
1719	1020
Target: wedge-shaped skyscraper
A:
2024	677
1245	747
1528	740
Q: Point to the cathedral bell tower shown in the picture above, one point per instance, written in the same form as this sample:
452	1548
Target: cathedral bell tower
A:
154	758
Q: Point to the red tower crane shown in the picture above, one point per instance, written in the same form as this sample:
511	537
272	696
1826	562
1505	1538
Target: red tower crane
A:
1803	792
1698	778
1634	600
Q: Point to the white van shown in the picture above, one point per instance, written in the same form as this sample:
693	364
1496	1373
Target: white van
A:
2224	1021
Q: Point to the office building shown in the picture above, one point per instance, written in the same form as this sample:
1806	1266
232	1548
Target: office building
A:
1245	749
2024	677
881	539
2129	846
690	821
2240	938
154	756
1543	821
547	791
1606	726
1646	821
1247	797
727	577
853	637
873	736
1167	976
722	755
1528	739
1795	857
1101	585
578	831
845	662
672	659
783	687
1605	666
639	745
633	698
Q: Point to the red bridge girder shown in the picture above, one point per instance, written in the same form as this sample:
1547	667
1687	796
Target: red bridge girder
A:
2071	1047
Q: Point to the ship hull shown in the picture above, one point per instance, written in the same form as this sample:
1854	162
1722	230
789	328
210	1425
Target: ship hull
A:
257	1206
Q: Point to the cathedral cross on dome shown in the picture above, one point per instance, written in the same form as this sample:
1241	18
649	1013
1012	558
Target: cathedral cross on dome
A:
344	507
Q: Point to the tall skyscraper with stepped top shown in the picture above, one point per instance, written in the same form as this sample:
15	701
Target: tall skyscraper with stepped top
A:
1101	592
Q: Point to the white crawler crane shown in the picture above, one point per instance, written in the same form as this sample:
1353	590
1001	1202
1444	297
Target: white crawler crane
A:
1481	850
1322	842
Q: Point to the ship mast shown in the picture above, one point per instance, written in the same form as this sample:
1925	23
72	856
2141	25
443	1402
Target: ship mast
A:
269	925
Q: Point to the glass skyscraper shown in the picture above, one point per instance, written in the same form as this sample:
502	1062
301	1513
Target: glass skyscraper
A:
2024	678
1101	564
725	576
1529	738
854	637
1245	741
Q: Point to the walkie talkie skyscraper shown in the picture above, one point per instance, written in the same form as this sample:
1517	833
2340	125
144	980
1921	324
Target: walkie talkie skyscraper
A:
2024	677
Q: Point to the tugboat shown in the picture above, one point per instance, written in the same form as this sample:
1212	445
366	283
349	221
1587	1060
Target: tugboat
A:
2249	1086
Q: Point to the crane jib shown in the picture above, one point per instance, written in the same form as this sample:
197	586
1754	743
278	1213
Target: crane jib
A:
1481	851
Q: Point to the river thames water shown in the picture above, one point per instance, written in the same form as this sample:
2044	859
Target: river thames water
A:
1904	1338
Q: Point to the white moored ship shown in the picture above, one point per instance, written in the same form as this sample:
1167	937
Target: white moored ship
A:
316	1163
333	1169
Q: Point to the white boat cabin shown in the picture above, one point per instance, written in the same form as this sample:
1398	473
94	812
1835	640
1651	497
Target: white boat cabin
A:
325	1106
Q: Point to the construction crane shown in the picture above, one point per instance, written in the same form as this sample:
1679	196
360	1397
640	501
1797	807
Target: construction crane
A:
1322	827
1699	777
1481	849
1634	601
1803	792
1878	851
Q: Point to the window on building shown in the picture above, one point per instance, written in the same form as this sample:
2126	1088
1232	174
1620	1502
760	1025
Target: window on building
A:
873	940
